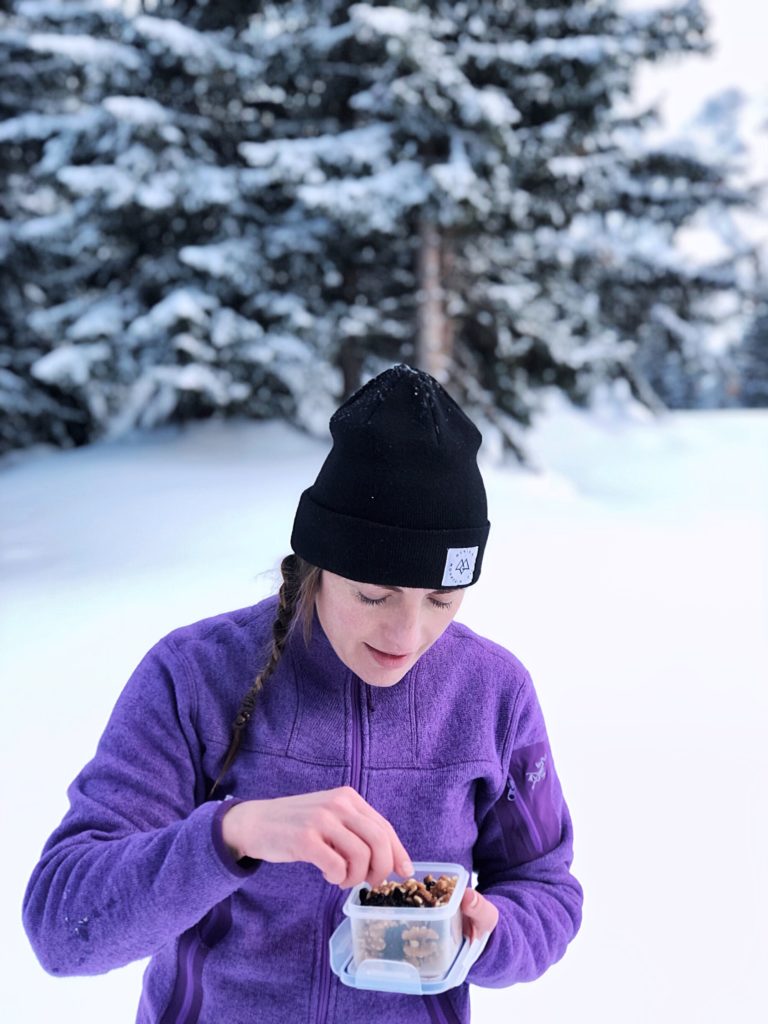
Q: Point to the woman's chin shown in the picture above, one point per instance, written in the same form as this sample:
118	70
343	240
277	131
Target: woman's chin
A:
377	676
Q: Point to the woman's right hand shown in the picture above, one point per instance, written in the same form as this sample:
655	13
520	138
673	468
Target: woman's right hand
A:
334	829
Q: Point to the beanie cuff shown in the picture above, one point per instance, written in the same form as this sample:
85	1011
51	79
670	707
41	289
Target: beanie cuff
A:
377	553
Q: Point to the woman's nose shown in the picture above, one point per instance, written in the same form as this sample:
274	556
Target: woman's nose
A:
404	632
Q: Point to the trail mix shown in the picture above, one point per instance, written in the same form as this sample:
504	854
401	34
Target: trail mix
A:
429	949
430	892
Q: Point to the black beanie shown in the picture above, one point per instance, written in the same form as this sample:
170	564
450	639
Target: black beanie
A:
399	500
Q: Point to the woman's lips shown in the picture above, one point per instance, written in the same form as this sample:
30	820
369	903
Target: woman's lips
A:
387	660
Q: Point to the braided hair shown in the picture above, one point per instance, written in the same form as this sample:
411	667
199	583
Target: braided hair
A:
296	602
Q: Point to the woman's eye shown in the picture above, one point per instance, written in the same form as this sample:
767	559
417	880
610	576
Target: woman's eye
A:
380	600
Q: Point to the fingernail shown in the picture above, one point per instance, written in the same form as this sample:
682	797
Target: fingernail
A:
406	867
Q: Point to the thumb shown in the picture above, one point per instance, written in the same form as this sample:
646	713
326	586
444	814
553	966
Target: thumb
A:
479	914
470	900
469	905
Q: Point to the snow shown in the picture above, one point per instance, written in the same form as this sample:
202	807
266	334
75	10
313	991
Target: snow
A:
496	107
228	327
616	238
57	224
387	20
630	575
583	49
192	346
378	200
182	304
294	159
52	9
42	126
457	178
85	49
105	317
182	41
69	363
137	109
194	377
196	188
200	51
52	318
221	259
118	185
159	193
202	185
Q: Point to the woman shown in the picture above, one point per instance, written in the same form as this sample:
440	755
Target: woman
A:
261	762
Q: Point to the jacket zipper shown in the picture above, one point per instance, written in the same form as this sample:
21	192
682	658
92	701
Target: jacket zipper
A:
514	795
193	949
187	972
440	1009
335	898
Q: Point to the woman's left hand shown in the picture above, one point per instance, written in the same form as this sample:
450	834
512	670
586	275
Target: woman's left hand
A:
479	914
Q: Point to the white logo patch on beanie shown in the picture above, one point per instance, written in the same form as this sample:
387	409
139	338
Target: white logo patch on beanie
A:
459	567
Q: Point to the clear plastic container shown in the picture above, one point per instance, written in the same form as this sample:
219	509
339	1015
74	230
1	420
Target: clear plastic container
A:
426	938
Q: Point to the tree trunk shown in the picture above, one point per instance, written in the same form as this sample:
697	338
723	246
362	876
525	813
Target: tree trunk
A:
434	346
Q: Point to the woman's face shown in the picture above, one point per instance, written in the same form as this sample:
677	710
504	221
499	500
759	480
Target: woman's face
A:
379	632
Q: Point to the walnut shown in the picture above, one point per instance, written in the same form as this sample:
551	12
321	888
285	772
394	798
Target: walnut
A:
421	947
429	949
430	892
373	939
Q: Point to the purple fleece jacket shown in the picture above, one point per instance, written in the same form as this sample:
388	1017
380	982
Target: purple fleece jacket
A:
455	756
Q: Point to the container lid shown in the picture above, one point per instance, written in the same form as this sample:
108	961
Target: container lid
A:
396	975
353	908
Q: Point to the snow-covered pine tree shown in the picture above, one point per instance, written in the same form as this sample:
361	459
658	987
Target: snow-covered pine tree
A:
747	364
136	238
528	226
537	229
449	183
652	292
728	130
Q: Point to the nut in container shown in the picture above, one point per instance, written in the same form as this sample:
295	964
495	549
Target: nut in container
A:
416	921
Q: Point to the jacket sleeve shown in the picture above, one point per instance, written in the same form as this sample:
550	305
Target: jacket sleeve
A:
523	856
135	862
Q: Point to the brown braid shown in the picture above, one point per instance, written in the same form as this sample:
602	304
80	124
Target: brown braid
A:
296	604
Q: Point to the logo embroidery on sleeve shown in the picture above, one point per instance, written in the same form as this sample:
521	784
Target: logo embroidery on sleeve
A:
540	774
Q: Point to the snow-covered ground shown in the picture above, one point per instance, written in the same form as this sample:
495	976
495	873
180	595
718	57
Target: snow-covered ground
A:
631	577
